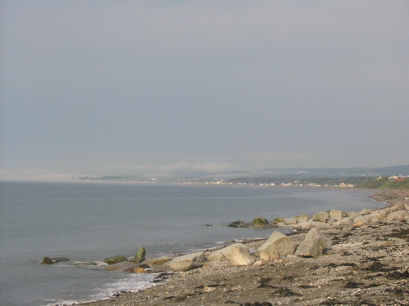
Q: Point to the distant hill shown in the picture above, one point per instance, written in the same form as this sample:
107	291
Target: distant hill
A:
385	183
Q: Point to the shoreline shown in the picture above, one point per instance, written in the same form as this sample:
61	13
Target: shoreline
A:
365	262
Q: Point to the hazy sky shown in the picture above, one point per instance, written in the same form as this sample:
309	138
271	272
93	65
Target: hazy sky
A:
104	87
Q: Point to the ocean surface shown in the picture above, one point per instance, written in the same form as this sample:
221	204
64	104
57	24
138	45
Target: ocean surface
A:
88	222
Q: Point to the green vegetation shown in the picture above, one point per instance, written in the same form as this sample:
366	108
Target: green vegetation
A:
385	183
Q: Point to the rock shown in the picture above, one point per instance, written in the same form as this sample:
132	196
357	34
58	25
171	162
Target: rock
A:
139	256
260	222
400	215
278	220
290	221
302	218
396	207
223	254
240	256
238	223
47	261
365	211
319	224
321	216
314	244
114	259
303	226
336	214
184	263
157	261
376	215
359	219
277	245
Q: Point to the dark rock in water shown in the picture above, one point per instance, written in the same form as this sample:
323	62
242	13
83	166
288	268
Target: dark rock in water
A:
47	261
260	222
114	259
139	256
238	223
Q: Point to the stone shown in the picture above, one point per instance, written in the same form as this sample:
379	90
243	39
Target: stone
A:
277	245
303	226
396	207
223	254
365	211
302	218
114	259
290	221
400	215
314	244
260	222
139	256
47	261
335	214
240	256
319	224
359	219
238	223
321	216
184	263
157	261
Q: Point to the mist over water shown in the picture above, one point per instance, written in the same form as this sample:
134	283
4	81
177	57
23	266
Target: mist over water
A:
89	222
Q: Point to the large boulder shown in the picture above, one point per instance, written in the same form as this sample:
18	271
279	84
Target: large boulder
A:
321	216
184	263
114	259
314	244
335	214
400	215
139	256
302	218
260	222
277	245
240	256
223	254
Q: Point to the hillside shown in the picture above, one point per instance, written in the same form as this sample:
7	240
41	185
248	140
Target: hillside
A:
385	183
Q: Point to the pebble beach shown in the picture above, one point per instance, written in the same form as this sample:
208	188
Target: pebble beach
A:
367	264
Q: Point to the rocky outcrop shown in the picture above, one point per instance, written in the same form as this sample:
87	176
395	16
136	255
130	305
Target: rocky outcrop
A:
240	256
277	245
139	256
314	244
114	259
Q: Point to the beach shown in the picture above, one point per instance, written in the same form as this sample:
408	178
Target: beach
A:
367	264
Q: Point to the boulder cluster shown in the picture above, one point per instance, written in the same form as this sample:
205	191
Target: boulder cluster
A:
322	219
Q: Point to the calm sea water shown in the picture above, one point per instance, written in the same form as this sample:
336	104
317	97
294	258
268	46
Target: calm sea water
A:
89	222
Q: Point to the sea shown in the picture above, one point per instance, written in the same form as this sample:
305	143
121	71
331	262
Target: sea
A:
87	222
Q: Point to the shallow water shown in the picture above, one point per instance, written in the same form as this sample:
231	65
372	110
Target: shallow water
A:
89	222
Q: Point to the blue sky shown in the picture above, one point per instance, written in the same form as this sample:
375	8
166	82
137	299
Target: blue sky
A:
186	87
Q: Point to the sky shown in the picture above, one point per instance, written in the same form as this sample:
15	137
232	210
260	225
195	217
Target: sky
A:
150	88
